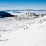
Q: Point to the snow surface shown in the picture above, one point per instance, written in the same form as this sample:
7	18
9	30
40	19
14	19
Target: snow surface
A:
24	32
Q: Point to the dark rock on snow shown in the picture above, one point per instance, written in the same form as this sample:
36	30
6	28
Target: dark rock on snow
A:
5	14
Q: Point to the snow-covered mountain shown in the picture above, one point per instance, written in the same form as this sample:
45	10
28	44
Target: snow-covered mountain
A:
24	32
28	33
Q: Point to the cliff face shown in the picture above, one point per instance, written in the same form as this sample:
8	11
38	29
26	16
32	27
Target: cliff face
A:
5	14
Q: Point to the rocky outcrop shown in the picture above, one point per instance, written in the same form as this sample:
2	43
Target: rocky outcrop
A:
5	14
27	15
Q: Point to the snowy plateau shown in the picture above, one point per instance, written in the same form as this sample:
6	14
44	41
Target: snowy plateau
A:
24	29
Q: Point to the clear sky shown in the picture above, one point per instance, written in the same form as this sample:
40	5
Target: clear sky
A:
22	4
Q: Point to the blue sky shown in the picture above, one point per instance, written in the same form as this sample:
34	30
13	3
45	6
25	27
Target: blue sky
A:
22	4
